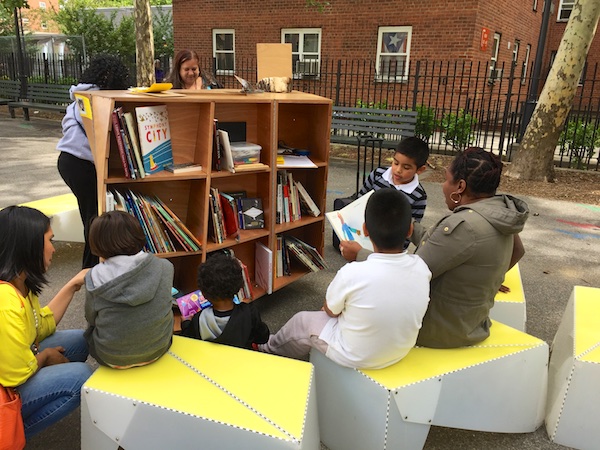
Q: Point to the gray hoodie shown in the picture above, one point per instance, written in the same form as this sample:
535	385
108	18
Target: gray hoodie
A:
74	140
468	253
130	316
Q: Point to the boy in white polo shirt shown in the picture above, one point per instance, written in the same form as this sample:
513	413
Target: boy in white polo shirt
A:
373	309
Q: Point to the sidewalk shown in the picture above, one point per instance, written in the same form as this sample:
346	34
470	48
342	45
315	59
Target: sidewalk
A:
561	253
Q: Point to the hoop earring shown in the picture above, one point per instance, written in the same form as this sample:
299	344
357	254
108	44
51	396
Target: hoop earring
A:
456	202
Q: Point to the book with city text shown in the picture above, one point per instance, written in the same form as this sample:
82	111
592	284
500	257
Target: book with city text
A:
155	137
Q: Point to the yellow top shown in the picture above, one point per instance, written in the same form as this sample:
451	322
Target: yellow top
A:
587	323
241	388
512	280
426	363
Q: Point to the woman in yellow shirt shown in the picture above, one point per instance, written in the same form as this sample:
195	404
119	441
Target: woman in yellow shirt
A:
46	366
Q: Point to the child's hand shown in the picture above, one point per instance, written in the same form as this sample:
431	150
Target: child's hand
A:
349	250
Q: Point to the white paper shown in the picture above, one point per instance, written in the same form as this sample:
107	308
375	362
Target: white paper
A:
296	162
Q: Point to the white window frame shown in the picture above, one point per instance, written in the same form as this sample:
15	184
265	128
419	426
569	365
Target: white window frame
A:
216	51
526	64
516	48
302	55
564	10
42	5
535	5
494	59
404	29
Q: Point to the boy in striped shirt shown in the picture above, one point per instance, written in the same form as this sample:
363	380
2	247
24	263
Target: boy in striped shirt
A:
410	160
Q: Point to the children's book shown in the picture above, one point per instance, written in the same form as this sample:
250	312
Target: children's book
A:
227	157
263	266
155	137
251	211
347	223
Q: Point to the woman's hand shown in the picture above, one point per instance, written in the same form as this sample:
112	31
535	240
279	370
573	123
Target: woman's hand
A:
349	250
58	305
78	280
51	356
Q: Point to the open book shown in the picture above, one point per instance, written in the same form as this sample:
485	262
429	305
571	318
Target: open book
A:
347	223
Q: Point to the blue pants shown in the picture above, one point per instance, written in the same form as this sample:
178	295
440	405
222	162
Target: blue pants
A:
54	391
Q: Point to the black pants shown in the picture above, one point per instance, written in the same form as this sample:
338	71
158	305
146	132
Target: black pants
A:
80	176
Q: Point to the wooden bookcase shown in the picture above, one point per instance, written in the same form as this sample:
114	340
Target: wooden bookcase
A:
297	119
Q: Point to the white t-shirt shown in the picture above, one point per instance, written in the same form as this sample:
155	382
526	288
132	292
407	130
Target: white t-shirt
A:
381	302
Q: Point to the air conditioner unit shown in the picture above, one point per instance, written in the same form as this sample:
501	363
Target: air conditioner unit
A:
308	68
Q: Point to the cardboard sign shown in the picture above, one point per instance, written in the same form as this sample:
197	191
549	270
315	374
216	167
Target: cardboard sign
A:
273	60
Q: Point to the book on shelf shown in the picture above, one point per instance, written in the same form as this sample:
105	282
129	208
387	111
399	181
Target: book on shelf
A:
299	251
216	223
226	155
251	213
186	167
135	141
347	223
127	142
116	127
163	230
295	162
310	251
263	267
230	214
306	200
216	149
155	137
246	291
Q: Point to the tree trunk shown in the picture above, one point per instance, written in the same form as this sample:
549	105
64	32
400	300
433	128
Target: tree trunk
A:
144	43
534	159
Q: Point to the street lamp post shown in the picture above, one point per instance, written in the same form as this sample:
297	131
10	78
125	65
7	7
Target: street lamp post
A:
20	56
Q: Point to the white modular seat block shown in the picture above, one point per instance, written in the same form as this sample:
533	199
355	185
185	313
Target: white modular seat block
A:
65	218
497	386
574	373
510	307
202	395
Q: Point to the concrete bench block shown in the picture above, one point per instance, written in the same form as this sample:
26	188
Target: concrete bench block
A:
498	386
574	373
65	218
202	395
510	308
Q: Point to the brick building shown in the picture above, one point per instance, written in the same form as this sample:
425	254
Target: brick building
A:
391	32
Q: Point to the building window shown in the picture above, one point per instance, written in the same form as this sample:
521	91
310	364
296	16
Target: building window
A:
393	53
306	50
224	51
495	72
526	64
535	5
564	10
42	5
44	25
516	46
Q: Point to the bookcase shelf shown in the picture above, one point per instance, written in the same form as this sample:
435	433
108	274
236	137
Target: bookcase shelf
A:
296	119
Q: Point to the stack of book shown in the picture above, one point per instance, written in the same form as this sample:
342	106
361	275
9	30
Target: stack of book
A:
301	251
232	212
164	231
293	199
149	153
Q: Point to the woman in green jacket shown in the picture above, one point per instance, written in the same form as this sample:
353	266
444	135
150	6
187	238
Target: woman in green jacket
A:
468	252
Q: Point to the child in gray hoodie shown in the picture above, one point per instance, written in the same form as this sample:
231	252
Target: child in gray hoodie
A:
128	300
75	162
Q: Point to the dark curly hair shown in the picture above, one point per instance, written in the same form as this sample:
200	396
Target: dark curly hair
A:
220	277
479	168
106	72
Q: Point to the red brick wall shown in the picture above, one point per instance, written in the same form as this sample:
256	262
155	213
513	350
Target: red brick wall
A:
442	29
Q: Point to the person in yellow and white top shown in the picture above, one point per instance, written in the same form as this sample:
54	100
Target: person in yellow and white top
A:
45	365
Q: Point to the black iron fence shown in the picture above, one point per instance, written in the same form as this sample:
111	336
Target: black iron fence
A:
459	103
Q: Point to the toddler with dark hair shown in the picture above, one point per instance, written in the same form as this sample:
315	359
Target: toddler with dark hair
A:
128	300
238	325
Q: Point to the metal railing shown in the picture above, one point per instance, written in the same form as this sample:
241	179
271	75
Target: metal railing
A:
459	103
